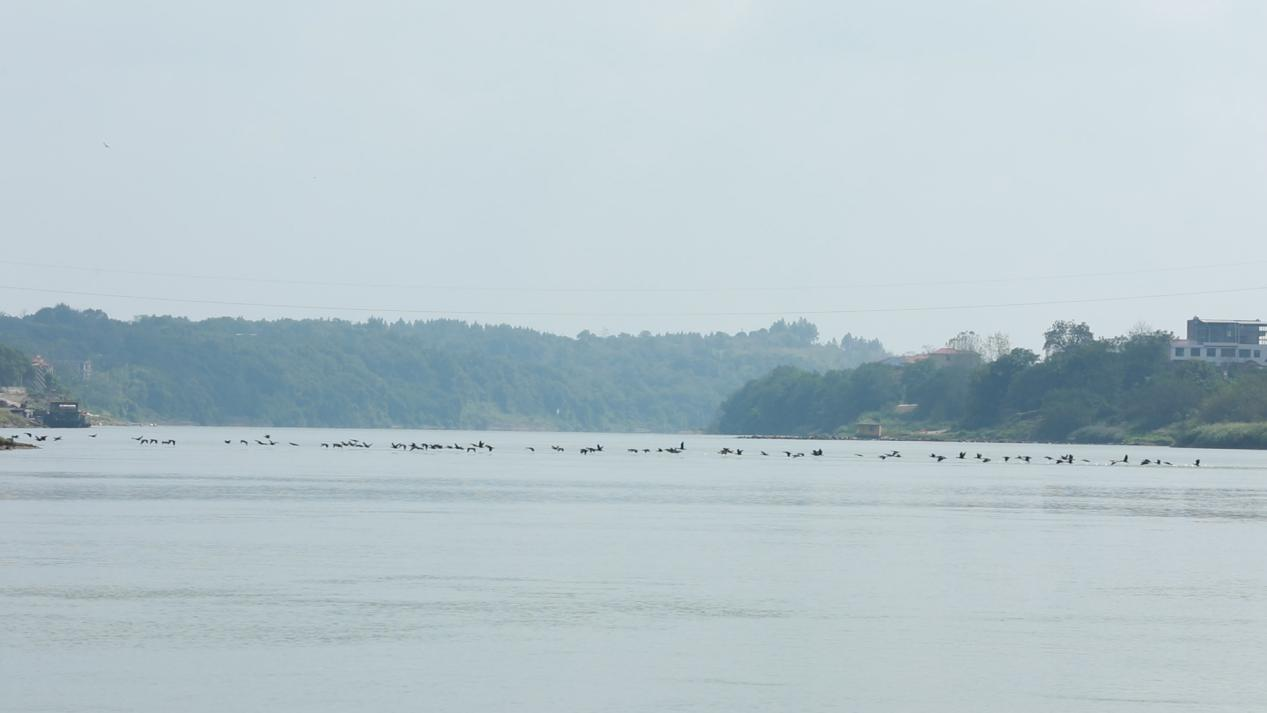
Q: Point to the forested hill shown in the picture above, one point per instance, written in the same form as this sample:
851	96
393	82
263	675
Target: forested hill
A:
1122	389
442	373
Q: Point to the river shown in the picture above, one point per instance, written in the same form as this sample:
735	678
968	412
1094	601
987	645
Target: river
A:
206	576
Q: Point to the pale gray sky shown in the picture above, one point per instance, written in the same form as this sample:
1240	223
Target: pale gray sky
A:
628	166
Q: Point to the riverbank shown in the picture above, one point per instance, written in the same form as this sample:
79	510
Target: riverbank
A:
1243	436
8	419
8	444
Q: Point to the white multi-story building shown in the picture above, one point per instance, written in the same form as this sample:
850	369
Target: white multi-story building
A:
1226	341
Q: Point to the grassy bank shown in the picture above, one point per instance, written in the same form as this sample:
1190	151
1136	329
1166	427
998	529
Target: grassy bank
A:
1224	435
1025	429
9	419
8	444
1248	435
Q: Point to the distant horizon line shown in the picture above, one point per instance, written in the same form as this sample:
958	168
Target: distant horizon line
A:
780	314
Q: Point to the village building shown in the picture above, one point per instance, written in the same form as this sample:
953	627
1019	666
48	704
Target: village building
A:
946	356
1222	342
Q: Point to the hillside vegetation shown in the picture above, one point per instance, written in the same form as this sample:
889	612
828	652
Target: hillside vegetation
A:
1086	390
443	373
15	367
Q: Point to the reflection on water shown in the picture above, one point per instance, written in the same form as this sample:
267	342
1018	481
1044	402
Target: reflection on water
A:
210	577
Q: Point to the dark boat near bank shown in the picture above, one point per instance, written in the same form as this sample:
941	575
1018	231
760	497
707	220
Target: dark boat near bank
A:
63	414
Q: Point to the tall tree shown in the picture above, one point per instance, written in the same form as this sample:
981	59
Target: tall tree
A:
992	384
1064	334
967	342
996	345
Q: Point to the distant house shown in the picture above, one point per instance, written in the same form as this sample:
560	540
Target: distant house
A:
1222	342
868	430
952	357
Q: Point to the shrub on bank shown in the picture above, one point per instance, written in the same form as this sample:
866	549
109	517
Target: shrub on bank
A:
1097	433
1152	438
1224	435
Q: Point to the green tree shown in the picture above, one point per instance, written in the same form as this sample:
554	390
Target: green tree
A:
1243	398
14	367
991	384
873	387
1173	395
1066	410
1064	334
941	392
859	351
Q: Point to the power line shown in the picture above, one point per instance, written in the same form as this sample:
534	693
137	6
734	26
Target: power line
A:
512	313
1026	277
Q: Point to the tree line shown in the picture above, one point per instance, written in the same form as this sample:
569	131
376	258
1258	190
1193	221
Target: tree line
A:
436	373
1084	389
15	367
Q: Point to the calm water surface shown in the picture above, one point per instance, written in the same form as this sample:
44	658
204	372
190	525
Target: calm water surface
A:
213	577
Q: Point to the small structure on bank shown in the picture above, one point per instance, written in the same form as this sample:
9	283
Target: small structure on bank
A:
64	414
868	430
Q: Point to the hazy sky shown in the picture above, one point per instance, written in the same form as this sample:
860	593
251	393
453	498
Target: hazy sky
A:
666	166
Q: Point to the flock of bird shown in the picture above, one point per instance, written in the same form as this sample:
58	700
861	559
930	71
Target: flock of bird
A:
1066	459
424	446
481	446
789	454
37	438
